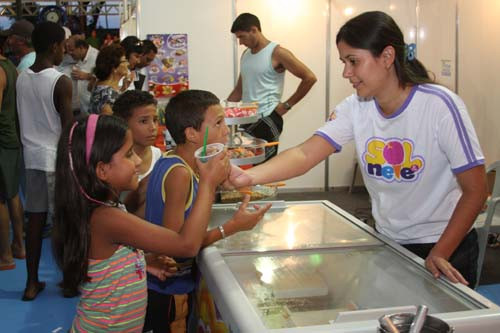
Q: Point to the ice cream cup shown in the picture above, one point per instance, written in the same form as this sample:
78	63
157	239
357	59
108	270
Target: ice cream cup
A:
213	150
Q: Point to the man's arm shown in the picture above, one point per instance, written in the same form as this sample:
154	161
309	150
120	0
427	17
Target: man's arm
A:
235	95
78	74
285	59
62	99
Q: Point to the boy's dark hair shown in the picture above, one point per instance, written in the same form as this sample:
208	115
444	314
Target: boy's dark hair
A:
81	43
148	46
108	59
245	22
71	231
126	103
187	109
132	44
45	35
374	31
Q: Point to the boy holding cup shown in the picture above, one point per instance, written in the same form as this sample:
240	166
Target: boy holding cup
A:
171	191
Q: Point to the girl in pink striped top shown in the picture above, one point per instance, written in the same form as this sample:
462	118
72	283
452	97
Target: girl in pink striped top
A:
96	242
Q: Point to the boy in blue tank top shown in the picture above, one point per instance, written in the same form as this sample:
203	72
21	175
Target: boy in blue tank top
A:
172	189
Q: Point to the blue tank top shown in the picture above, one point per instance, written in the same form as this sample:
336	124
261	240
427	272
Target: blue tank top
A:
260	81
183	281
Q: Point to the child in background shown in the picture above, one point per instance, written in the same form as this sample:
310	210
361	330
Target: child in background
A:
173	187
138	108
96	241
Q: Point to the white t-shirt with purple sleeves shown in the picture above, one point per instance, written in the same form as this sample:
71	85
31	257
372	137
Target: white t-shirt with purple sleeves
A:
409	160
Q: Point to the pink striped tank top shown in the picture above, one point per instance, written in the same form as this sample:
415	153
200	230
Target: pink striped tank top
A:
114	300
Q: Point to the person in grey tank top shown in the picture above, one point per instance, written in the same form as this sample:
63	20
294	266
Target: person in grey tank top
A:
263	66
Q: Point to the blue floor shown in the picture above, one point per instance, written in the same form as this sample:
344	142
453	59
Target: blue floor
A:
491	292
50	312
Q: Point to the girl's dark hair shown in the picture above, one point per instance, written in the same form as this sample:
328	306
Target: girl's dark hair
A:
71	231
45	35
126	103
374	31
187	109
109	58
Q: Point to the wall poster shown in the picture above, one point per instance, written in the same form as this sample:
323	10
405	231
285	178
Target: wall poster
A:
168	73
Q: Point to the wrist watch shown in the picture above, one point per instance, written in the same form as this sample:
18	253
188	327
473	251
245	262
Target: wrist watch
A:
287	106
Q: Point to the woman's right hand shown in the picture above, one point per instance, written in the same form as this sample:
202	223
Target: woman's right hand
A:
238	178
216	170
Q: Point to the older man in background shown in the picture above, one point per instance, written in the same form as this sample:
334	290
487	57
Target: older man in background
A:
81	73
19	43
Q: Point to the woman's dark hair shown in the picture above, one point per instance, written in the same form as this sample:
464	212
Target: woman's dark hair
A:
71	232
374	31
132	44
108	59
187	109
126	103
245	22
45	35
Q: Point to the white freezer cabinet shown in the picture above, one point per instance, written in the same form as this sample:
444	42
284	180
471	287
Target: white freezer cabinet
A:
311	267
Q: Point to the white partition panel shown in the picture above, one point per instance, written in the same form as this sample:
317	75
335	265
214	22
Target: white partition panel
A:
300	26
479	70
437	39
208	25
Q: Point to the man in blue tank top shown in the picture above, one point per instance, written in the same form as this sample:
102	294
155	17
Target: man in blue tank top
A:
262	73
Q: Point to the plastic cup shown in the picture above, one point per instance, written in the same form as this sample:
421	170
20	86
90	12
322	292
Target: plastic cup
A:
213	150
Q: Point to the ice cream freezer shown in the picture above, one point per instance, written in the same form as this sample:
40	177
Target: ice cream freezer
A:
309	266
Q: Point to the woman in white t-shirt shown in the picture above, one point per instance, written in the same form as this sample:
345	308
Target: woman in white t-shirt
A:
418	151
138	108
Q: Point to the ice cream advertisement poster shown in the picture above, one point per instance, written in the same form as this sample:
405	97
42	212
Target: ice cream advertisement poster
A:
168	73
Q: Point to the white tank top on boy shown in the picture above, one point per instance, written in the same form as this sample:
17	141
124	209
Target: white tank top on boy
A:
260	81
40	123
155	156
409	159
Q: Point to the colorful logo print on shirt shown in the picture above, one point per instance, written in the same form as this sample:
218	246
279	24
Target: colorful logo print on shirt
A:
392	160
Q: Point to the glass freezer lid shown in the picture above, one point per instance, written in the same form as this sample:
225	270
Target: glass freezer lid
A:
305	288
296	226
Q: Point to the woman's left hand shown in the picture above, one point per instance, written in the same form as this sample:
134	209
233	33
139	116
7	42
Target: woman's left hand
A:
438	265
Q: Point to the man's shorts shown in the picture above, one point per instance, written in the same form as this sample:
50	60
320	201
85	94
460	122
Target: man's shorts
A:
39	191
10	172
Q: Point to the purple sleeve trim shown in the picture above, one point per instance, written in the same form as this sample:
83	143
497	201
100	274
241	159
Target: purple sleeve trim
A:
467	166
337	147
457	118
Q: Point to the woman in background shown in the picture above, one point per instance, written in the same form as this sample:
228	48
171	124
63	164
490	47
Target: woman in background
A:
110	67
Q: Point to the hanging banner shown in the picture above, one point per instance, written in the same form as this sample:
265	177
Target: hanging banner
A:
168	73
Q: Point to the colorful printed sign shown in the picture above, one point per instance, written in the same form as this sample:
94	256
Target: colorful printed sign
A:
168	73
392	160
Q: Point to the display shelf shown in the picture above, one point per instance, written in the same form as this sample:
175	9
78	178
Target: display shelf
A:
230	121
238	113
248	160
